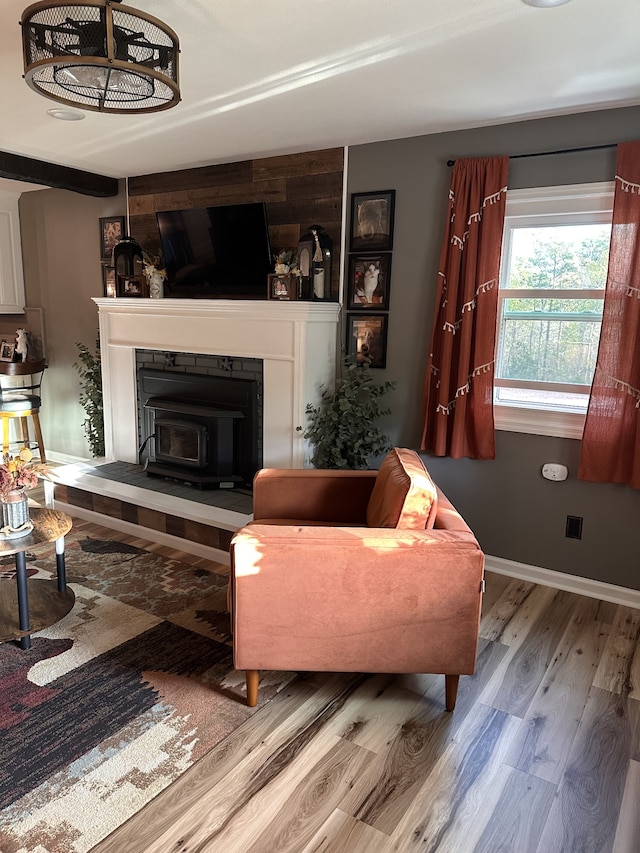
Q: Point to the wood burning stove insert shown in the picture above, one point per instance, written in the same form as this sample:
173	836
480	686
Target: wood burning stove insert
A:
199	429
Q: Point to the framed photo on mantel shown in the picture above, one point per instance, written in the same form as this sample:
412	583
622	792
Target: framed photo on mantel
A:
132	286
282	286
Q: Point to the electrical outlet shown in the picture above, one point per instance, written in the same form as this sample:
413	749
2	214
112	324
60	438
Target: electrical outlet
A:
574	527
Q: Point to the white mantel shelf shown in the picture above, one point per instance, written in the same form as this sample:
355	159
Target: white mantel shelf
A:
297	342
258	308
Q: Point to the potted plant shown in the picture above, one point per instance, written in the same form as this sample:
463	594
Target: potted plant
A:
90	371
342	428
18	473
284	261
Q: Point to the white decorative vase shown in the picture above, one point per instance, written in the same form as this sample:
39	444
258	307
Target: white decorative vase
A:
156	286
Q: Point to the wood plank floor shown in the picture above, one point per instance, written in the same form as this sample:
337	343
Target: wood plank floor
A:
541	755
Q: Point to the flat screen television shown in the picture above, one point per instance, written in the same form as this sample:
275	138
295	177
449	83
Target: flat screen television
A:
216	252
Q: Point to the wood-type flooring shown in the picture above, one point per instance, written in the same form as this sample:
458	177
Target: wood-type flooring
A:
541	755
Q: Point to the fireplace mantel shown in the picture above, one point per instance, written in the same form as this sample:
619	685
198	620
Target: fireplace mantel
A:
297	342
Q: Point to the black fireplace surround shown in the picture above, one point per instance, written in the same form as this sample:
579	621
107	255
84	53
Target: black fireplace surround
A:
200	429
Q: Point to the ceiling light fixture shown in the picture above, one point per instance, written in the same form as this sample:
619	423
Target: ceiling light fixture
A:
545	4
101	56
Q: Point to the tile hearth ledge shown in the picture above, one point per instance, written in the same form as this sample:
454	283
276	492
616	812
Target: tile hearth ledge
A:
106	496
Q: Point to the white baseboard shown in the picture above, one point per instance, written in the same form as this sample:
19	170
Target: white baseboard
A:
559	580
206	551
67	459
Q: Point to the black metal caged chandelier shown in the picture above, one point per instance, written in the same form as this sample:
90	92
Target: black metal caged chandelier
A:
100	55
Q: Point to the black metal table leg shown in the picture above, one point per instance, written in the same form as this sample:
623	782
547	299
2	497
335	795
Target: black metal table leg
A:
23	599
60	565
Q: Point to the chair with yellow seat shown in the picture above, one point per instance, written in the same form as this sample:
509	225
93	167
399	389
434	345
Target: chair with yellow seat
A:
21	400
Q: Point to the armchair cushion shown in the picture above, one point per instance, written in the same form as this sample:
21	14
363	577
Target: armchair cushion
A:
403	495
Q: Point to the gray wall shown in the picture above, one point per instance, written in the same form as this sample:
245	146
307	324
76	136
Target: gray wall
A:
515	513
61	256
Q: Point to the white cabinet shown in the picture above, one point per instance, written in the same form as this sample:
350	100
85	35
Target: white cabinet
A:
11	278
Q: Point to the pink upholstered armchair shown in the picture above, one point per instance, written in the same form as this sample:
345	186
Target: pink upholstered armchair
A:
355	571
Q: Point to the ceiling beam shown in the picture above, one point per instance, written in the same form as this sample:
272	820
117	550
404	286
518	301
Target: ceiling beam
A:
19	168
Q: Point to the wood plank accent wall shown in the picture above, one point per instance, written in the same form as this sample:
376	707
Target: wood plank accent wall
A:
299	190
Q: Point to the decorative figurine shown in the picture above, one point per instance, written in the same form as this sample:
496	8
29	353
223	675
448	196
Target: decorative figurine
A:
21	344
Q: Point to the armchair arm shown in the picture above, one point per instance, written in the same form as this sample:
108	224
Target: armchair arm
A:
313	494
355	599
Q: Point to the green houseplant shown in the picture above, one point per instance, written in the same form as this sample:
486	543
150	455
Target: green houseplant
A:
90	372
342	427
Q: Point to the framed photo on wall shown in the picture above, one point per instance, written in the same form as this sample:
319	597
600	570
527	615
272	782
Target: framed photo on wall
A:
111	229
372	221
368	282
367	338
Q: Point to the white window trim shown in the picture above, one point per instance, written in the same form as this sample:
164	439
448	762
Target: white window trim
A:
571	203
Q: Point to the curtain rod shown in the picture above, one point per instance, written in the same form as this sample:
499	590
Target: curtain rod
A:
559	151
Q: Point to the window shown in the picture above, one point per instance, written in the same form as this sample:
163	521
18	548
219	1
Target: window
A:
554	265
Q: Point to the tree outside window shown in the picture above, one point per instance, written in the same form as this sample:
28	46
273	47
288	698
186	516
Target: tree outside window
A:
554	269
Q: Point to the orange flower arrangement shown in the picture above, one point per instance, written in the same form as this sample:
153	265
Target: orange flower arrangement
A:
19	472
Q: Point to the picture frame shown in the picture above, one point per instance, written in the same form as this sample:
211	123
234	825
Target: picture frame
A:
368	281
108	280
7	350
282	286
367	338
372	216
111	229
132	286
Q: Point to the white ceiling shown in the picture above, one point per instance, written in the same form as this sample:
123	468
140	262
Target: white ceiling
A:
262	77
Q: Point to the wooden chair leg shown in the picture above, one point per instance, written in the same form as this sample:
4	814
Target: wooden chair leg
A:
25	431
5	435
451	691
252	677
39	440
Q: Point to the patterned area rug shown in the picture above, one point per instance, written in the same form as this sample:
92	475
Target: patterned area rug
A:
115	701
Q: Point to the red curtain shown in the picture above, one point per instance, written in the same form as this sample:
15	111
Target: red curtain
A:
610	450
458	400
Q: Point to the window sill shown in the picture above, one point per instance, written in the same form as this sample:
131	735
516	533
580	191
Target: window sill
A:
563	424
